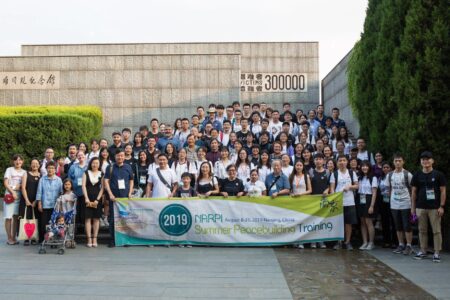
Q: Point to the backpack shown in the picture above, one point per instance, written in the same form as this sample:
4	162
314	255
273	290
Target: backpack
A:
188	167
405	179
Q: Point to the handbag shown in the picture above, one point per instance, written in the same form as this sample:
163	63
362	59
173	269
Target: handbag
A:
28	228
8	198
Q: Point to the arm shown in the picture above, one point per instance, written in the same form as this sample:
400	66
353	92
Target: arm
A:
308	183
413	199
130	193
102	189
174	189
374	198
108	190
83	187
8	188
148	192
39	196
24	190
442	203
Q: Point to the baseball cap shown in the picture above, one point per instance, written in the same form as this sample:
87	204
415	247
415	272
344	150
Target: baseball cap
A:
426	154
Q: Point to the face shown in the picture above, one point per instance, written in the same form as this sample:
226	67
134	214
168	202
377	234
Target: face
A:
276	166
286	107
186	180
254	176
81	156
103	144
354	164
244	124
51	171
378	157
169	148
154	124
298	149
34	165
168	131
82	147
142	156
182	154
255	152
306	154
18	163
226	127
335	114
205	169
104	154
285	160
360	144
264	157
311	114
238	115
117	139
243	154
364	168
162	162
201	153
195	121
287	117
276	148
320	109
298	167
224	153
342	163
95	165
264	139
95	146
230	112
386	169
232	172
138	139
191	140
73	150
330	165
49	154
247	109
185	124
120	157
426	162
327	151
61	161
126	135
151	142
263	107
275	116
61	221
201	112
318	161
319	145
340	147
398	162
342	131
162	127
128	150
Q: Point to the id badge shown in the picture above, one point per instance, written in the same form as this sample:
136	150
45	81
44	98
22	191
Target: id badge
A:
80	181
430	195
385	198
121	183
142	179
362	199
274	188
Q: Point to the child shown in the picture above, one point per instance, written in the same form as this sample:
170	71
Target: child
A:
60	167
185	191
56	229
66	201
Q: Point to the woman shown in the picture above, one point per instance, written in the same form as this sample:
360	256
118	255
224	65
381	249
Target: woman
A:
75	175
104	159
138	145
191	148
129	158
340	149
221	165
207	183
95	150
353	164
243	166
12	181
327	152
171	153
321	132
93	192
387	222
182	165
255	187
232	186
30	181
141	172
308	161
297	153
286	147
234	151
83	147
177	127
264	167
255	126
286	167
367	194
299	180
343	136
330	166
277	150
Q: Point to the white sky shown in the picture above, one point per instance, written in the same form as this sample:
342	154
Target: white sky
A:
336	25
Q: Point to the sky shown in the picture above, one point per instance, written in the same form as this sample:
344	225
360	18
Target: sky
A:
336	25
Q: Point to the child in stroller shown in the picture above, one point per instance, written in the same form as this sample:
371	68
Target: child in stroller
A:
57	229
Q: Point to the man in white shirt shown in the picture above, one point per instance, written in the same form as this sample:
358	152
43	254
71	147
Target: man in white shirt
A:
225	135
275	125
347	182
185	131
162	183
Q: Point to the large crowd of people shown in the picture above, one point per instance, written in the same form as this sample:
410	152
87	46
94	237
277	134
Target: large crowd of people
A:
229	151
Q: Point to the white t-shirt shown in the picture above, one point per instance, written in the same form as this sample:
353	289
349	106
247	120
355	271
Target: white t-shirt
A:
14	177
179	169
299	185
275	128
287	170
263	172
220	169
400	197
365	156
344	180
255	189
225	138
365	187
160	190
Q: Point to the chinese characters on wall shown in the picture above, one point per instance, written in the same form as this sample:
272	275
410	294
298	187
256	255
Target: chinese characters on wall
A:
29	80
273	82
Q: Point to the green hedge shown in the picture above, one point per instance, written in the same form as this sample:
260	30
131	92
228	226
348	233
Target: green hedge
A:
29	130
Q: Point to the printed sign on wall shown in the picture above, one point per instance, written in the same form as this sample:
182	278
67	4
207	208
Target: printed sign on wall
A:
29	80
273	82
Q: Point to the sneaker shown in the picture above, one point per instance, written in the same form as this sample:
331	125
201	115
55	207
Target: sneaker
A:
105	220
337	246
313	245
181	246
188	246
399	249
322	245
300	246
363	247
436	258
349	246
370	246
420	255
408	250
102	223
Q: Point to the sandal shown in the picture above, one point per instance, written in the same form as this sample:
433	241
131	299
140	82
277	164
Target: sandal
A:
89	244
94	244
26	243
33	242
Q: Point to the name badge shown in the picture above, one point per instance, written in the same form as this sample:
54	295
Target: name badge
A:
274	188
385	198
80	181
430	195
142	179
121	183
362	199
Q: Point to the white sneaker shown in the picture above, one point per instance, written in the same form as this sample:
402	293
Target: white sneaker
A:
364	246
300	246
102	223
105	220
370	246
322	245
313	245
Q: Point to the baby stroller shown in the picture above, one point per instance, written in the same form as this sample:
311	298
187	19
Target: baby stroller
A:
60	232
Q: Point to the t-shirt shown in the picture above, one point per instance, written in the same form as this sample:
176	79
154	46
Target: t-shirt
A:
428	188
14	177
275	128
160	190
255	189
319	181
287	170
400	197
232	187
365	156
365	187
344	180
182	193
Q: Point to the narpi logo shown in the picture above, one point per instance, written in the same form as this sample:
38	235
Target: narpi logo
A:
175	220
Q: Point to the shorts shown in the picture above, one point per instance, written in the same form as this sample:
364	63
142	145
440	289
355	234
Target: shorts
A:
11	209
350	215
363	209
401	219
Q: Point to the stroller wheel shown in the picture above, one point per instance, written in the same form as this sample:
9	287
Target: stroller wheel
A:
60	251
42	251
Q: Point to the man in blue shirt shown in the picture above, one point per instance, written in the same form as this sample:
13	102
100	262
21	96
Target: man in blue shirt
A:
335	116
168	138
277	183
119	182
212	118
49	189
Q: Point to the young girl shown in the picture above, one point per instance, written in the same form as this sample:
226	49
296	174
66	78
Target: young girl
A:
299	180
207	183
66	201
264	167
308	162
171	153
138	145
220	167
243	166
367	192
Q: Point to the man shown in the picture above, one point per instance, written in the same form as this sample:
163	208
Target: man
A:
236	105
126	137
225	135
185	131
313	123
154	130
117	144
168	138
344	180
305	128
398	183
162	183
230	114
319	183
201	114
119	182
247	111
212	118
255	107
275	125
335	118
242	134
195	122
428	202
237	121
287	109
220	113
320	115
213	154
264	141
277	183
263	108
71	157
48	157
363	153
144	132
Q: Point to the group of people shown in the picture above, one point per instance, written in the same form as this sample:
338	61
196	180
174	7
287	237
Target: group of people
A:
226	151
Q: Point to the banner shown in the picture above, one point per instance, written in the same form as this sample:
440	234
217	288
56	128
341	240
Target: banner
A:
232	221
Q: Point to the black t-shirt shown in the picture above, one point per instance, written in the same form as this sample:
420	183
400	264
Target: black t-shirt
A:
182	193
232	187
319	182
428	181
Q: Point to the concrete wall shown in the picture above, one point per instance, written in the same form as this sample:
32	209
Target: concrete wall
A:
289	57
131	89
335	94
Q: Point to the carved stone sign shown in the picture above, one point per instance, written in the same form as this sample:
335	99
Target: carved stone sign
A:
35	80
273	82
